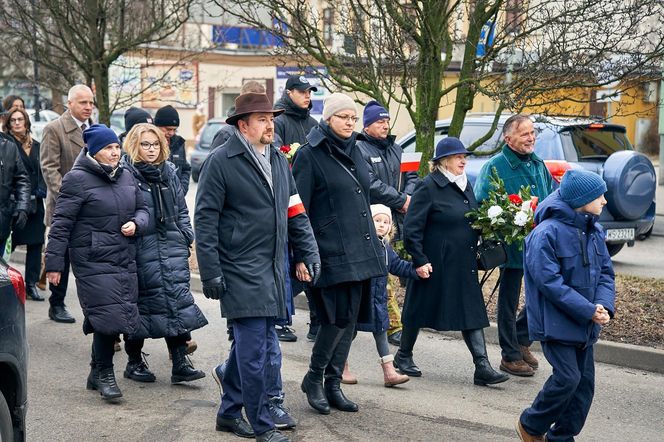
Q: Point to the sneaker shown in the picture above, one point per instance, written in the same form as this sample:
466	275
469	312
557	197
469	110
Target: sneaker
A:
279	414
285	333
218	375
313	331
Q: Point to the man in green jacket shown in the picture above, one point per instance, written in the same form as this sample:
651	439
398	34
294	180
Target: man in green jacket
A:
517	165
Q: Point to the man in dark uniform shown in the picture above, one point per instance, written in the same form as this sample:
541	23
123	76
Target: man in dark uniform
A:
247	209
388	185
168	120
292	127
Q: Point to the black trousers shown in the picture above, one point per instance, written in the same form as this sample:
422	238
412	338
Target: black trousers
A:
133	347
103	349
313	318
58	292
512	329
32	263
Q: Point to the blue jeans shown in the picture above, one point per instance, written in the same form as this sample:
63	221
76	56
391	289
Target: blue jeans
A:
254	357
565	399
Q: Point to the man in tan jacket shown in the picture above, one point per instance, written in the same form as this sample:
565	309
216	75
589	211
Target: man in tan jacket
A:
62	141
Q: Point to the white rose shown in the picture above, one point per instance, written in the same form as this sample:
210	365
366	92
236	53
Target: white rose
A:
520	219
494	212
525	207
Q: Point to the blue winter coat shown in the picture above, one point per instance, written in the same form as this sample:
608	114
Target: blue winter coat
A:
165	302
395	266
89	212
567	272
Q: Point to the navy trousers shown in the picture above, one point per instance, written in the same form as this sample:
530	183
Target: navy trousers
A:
245	381
561	408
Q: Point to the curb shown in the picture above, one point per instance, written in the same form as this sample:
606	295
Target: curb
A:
614	353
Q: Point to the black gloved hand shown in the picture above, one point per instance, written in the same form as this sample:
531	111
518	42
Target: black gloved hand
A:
214	288
314	272
21	219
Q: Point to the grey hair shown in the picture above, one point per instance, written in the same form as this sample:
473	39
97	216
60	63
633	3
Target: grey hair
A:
514	122
75	89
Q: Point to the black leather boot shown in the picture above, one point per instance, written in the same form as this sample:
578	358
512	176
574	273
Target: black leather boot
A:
337	398
94	374
406	365
484	373
182	370
312	386
32	293
106	384
139	371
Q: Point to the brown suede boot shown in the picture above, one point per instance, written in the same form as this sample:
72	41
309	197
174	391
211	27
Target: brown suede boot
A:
525	436
390	375
517	368
347	377
528	357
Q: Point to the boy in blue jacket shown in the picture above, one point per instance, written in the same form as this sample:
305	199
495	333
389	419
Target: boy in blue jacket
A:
570	294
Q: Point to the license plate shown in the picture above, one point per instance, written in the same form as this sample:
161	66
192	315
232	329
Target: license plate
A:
620	235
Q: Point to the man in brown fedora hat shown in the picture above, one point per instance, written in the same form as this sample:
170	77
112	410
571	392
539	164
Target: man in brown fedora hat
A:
247	210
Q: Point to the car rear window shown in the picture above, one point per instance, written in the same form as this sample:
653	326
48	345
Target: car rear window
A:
208	134
598	141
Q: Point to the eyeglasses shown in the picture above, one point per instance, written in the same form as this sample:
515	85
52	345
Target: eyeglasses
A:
147	146
16	120
347	118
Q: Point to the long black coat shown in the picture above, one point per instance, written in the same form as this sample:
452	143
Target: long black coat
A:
34	230
437	231
242	228
165	303
337	200
14	185
89	212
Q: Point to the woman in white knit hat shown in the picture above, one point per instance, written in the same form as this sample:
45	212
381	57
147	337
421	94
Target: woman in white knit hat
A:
333	182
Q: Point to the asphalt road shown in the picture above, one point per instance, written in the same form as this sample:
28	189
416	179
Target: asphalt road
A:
443	405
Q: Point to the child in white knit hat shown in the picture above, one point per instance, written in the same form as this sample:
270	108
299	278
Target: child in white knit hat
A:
382	217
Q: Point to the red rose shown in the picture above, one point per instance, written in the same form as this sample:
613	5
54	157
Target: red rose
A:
515	199
285	148
533	203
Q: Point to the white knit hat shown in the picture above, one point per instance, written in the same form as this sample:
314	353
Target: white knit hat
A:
380	209
337	102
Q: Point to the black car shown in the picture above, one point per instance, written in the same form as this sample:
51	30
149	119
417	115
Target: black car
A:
13	355
202	147
576	143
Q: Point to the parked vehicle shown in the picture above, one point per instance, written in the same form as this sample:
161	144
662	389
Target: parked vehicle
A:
45	115
202	146
565	143
13	355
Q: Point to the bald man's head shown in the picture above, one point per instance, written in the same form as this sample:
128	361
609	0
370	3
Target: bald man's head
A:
80	102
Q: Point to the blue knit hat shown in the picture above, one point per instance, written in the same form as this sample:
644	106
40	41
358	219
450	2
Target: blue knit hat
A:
373	112
97	137
579	187
134	116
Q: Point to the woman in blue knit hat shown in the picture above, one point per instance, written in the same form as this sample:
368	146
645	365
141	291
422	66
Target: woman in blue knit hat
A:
570	294
98	212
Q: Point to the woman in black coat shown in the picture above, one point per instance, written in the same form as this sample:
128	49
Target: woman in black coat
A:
333	183
17	126
437	233
165	302
98	212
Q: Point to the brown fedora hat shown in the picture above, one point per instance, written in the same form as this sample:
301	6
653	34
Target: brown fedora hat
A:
251	103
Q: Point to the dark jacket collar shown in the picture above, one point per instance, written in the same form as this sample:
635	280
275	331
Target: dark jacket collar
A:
378	142
316	137
292	109
514	161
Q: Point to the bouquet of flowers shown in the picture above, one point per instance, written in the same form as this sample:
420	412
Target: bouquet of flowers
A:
502	216
289	150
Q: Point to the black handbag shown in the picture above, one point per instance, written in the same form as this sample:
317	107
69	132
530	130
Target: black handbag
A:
490	254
